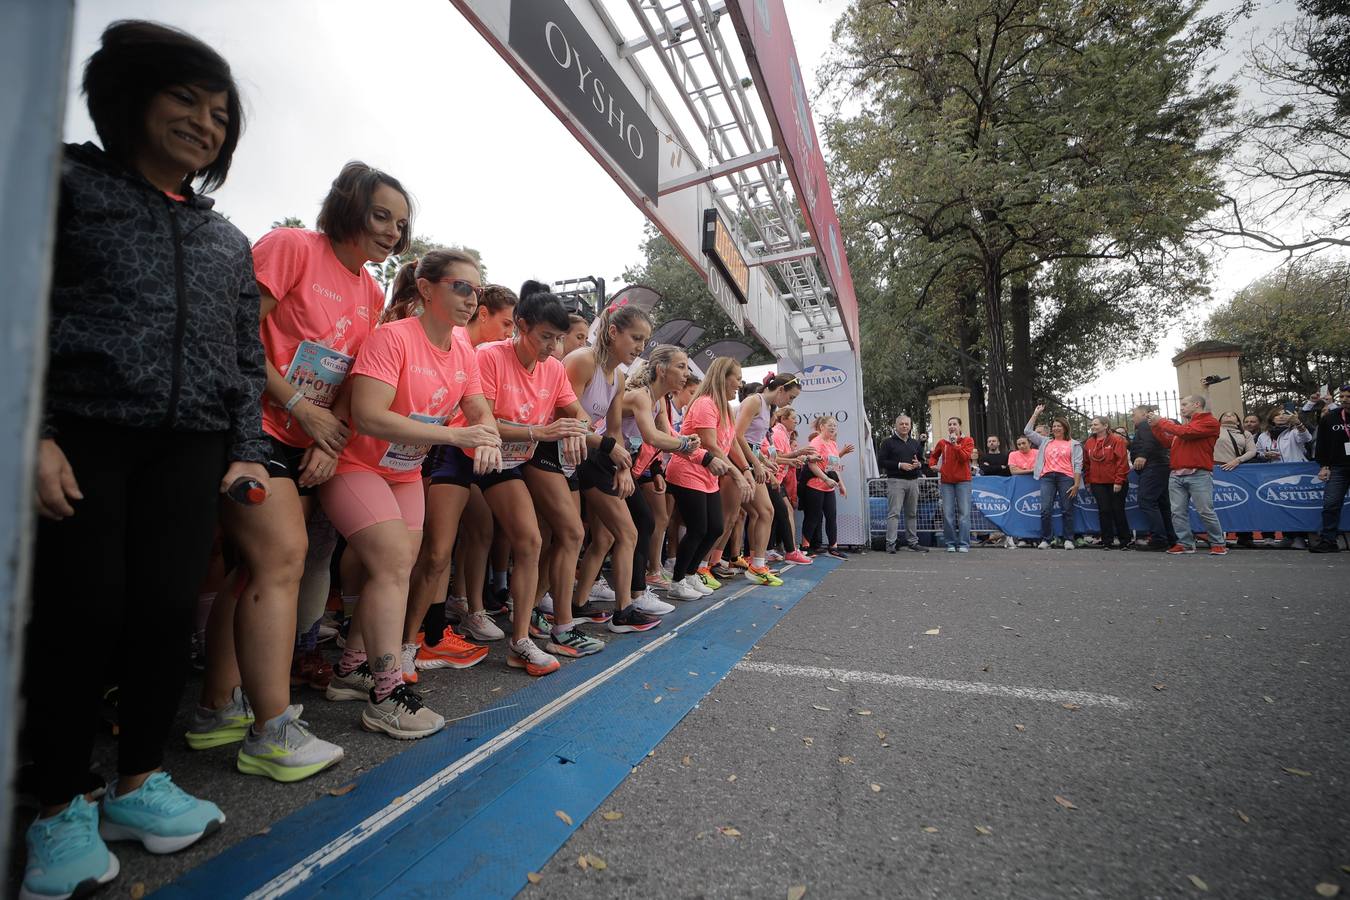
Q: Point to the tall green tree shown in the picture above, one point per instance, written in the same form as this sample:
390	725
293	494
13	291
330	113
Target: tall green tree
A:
997	138
1292	328
418	247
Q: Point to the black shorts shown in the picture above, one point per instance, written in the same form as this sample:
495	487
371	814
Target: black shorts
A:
598	471
285	461
490	480
449	465
548	457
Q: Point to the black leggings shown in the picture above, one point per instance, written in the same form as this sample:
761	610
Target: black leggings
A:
127	566
1111	513
818	505
702	515
780	537
642	518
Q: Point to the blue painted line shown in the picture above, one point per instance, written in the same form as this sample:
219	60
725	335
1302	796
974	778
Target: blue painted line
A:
480	834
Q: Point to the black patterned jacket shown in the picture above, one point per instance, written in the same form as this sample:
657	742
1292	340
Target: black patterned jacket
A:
154	310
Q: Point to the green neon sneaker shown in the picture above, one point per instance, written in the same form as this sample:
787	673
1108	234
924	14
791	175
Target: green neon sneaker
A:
705	575
286	750
66	856
218	727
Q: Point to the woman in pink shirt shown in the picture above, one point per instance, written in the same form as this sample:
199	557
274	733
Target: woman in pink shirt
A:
789	460
1022	461
319	306
1059	466
818	498
413	376
693	479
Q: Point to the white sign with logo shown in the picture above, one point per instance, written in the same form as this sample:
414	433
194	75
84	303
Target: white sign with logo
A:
831	386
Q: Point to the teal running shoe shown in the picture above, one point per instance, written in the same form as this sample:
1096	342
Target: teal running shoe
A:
159	814
66	856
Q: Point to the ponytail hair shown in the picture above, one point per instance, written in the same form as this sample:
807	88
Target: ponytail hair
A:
622	318
782	412
406	299
782	379
539	307
494	299
654	367
533	287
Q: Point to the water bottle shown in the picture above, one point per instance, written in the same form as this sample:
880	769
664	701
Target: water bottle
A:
247	491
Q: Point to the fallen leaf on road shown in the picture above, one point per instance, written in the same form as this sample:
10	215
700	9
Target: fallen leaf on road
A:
864	712
687	761
646	686
657	699
1064	802
533	877
1071	706
1006	627
933	631
1302	773
929	829
1267	699
771	728
846	760
566	819
729	831
834	690
1198	882
881	735
796	892
1020	727
596	862
265	830
1160	686
1327	889
819	707
583	862
137	890
345	789
808	741
731	778
983	830
1243	816
876	788
612	816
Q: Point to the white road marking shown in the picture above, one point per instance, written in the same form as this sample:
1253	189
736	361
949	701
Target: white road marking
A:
1082	698
382	818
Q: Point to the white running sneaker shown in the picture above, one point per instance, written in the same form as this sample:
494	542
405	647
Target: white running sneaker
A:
480	627
1069	544
647	602
1009	543
545	604
601	590
697	584
1043	545
681	591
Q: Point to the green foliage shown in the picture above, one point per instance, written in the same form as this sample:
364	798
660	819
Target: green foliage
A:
1292	327
684	294
419	246
289	222
998	139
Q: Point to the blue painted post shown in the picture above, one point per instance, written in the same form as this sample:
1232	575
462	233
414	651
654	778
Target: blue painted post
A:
34	60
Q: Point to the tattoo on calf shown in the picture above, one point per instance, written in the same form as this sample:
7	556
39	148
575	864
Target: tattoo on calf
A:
383	663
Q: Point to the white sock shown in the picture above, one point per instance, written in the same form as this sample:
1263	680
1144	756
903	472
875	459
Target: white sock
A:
759	562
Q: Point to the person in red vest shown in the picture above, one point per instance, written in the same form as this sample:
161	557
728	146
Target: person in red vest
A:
1191	481
954	485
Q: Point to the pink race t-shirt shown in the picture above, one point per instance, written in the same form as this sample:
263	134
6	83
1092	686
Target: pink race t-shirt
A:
682	471
829	462
1058	458
429	384
1023	459
781	444
519	395
324	313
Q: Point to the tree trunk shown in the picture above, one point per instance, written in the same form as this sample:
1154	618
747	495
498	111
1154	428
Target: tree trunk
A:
1023	397
972	376
998	416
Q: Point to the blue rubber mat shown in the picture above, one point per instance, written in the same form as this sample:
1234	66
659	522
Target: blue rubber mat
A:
463	809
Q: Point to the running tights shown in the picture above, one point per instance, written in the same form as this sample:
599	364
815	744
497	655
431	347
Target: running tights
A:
642	518
818	505
781	536
702	515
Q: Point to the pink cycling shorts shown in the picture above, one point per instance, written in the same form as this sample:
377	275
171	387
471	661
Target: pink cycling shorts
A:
358	500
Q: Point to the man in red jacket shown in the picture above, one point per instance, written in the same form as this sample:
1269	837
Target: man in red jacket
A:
954	485
1191	481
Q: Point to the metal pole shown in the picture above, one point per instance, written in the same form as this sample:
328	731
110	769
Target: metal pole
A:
34	59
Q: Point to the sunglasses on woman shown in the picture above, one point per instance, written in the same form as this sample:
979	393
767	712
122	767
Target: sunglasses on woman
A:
464	288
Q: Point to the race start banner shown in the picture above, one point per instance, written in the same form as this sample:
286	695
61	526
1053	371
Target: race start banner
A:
1262	497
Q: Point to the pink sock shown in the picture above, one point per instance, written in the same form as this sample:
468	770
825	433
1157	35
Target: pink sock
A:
350	660
385	682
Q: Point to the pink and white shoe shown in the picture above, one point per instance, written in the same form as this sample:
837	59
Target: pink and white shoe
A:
798	557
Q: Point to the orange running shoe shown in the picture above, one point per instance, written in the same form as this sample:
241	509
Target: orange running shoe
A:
740	562
452	652
527	655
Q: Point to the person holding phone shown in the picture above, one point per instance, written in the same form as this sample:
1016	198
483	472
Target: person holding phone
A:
951	457
1191	481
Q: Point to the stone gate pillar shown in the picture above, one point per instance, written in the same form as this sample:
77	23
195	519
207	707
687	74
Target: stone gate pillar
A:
1207	359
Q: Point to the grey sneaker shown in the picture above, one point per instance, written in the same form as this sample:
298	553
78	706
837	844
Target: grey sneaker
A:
286	750
480	627
355	685
572	643
400	715
218	727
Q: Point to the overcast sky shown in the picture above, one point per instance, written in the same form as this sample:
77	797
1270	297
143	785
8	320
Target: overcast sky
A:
410	87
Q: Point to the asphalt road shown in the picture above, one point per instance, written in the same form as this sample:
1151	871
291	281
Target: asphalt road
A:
1228	764
1208	740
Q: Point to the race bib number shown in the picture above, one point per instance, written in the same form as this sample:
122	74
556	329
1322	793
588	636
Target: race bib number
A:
516	453
833	463
317	372
405	457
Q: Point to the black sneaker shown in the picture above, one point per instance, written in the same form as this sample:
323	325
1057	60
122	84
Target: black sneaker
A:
890	548
591	613
497	602
837	553
629	619
918	548
1325	547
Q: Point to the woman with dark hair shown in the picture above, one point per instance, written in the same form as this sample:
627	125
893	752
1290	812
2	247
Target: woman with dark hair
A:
533	403
606	477
319	307
790	459
752	428
660	566
413	376
693	478
1106	469
1059	467
151	412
